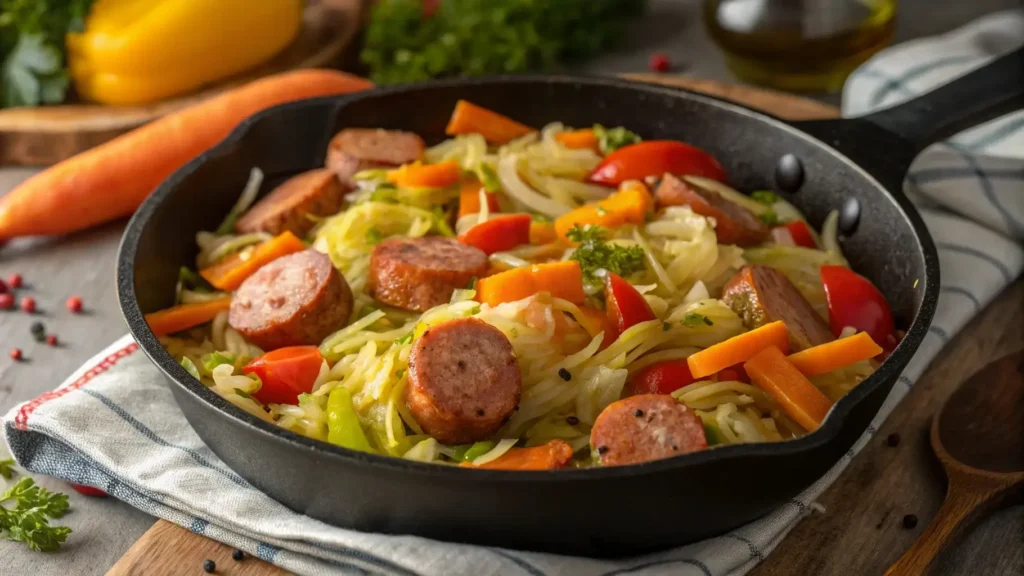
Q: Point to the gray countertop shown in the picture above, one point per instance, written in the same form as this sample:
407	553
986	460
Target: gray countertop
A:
83	264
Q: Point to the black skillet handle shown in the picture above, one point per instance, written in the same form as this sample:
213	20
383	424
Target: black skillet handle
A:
974	98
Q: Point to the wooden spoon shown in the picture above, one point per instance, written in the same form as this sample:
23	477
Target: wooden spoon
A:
979	439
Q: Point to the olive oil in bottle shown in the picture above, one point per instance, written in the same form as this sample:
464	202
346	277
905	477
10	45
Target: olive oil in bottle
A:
799	45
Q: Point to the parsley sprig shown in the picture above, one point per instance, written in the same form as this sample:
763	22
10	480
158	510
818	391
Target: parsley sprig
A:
594	254
611	139
25	513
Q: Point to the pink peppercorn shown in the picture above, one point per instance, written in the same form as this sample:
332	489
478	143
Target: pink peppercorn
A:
14	280
51	339
659	62
28	304
6	301
74	304
16	354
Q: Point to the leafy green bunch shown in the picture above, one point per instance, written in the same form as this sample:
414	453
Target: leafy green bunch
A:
474	37
32	49
25	510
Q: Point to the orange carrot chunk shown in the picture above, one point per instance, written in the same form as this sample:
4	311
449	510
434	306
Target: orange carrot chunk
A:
542	232
578	139
562	279
229	272
834	355
469	198
738	349
112	179
418	175
770	371
629	205
554	454
185	316
468	118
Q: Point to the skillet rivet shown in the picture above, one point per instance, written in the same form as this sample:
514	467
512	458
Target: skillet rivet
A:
849	216
789	173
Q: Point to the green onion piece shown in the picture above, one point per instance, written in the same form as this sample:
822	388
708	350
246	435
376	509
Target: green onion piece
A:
343	427
214	359
477	450
190	367
766	197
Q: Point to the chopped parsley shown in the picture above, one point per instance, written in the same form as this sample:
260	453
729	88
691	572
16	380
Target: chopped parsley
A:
766	197
694	320
594	254
611	139
28	519
770	218
373	236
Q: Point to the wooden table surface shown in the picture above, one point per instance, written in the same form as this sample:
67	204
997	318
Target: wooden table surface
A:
858	533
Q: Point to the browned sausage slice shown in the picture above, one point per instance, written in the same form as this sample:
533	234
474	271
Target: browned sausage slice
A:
294	300
420	273
761	294
355	149
734	224
288	207
646	427
464	381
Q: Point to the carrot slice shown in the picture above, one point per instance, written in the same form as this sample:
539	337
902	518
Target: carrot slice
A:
418	175
554	454
578	139
834	355
562	279
229	272
542	232
112	179
469	198
499	234
738	349
629	205
185	316
468	118
770	371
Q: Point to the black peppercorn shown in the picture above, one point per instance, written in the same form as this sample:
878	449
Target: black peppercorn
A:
638	412
238	555
572	420
893	439
209	566
602	449
909	521
564	374
38	328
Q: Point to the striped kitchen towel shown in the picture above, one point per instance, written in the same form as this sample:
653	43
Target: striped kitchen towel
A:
114	424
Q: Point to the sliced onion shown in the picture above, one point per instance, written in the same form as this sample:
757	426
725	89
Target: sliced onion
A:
508	174
508	260
830	235
497	452
782	237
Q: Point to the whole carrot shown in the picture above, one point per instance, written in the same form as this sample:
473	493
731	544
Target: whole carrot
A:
111	180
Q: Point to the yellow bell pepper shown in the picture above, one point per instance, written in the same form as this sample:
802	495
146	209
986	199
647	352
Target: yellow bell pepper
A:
139	51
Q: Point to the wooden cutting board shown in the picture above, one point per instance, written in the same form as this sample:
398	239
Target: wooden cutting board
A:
869	545
43	135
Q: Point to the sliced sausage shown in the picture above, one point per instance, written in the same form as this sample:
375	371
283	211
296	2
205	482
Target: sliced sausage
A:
464	381
734	224
646	427
355	149
420	273
294	300
761	294
288	207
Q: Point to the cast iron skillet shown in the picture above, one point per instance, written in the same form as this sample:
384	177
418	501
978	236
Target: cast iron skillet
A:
603	512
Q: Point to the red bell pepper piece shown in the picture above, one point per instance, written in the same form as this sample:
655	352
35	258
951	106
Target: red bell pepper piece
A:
854	301
626	307
499	234
286	373
801	233
88	490
661	378
654	158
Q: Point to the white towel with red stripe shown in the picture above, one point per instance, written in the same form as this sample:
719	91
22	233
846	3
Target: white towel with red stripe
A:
114	424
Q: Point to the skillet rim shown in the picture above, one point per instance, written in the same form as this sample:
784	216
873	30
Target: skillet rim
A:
890	369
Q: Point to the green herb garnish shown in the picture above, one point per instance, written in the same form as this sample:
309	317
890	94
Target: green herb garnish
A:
441	222
611	139
7	468
769	217
766	197
373	236
594	254
404	339
28	519
694	320
214	359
